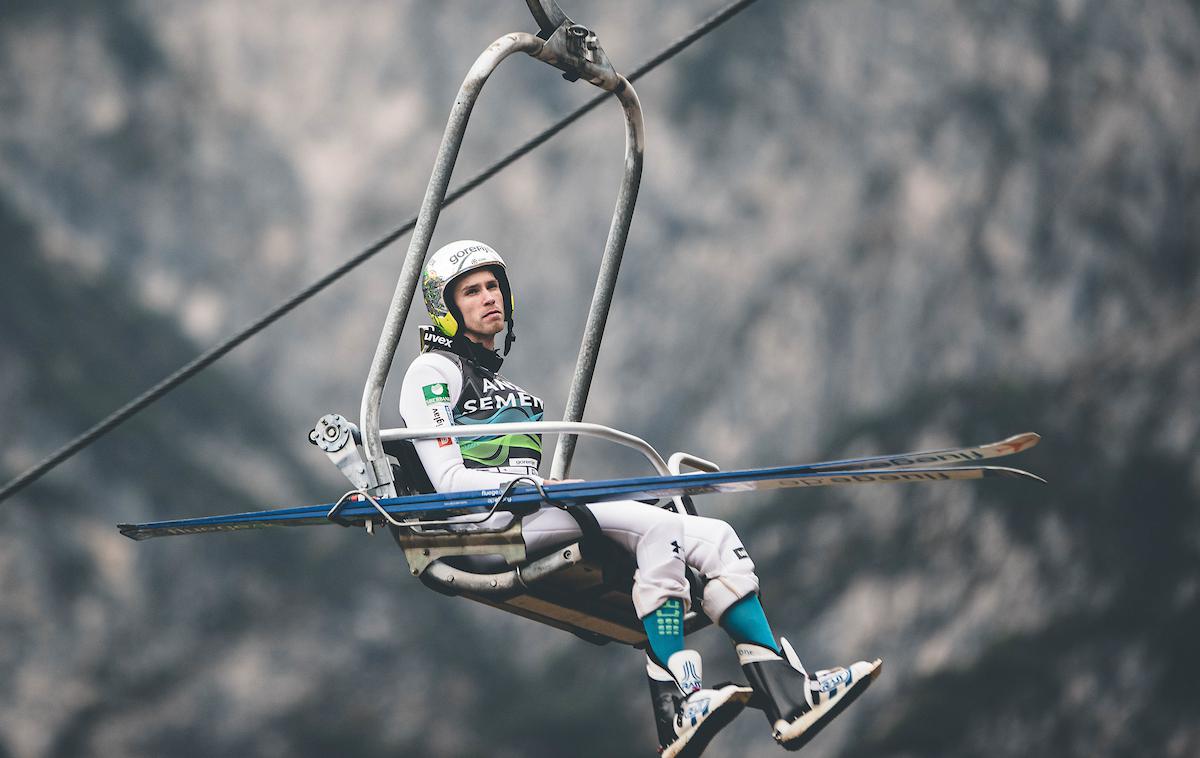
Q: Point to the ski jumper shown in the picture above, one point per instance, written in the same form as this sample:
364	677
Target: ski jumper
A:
443	387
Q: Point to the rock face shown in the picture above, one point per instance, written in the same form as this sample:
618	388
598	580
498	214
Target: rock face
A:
863	227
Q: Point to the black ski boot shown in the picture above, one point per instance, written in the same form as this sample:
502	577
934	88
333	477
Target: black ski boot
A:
686	715
799	704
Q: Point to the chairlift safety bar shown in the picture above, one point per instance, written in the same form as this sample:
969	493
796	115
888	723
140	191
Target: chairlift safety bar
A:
536	427
662	467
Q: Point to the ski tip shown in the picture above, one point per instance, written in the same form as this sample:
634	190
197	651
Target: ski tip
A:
1012	473
876	668
132	531
1018	443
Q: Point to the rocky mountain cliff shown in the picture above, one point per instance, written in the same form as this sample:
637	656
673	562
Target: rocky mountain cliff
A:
863	227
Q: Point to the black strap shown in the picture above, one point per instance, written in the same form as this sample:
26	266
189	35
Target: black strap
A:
527	508
488	360
413	479
588	525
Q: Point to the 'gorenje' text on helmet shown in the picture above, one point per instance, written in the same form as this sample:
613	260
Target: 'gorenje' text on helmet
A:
447	264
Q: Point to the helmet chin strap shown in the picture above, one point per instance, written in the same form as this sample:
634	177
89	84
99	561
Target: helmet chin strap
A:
475	352
509	337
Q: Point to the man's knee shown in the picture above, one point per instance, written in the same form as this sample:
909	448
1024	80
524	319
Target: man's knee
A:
725	549
727	588
730	571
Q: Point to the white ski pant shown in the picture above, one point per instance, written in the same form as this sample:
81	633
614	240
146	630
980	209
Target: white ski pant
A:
662	542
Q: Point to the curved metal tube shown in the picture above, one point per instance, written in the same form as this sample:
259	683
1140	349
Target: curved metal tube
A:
431	207
537	427
598	71
614	249
505	582
678	460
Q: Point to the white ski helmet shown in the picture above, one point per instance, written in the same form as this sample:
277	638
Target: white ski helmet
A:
447	264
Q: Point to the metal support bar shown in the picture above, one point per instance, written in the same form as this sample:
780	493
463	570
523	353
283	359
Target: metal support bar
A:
562	428
421	548
505	582
431	208
537	427
678	460
614	249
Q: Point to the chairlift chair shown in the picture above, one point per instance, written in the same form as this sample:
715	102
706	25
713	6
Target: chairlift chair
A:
584	586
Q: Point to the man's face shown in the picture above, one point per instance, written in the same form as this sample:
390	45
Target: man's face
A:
481	304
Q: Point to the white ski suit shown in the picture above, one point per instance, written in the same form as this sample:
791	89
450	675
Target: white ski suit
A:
442	388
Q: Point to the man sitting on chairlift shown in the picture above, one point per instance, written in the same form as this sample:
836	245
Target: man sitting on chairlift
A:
455	380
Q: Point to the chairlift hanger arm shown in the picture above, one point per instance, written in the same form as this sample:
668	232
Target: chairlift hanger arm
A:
573	49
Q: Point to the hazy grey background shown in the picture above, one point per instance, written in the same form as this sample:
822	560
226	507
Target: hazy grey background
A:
863	227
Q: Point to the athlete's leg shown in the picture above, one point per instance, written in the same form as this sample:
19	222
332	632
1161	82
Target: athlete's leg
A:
662	543
690	715
746	622
687	715
654	536
798	704
660	584
715	551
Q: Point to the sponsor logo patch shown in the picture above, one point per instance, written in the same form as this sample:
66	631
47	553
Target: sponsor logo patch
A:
436	393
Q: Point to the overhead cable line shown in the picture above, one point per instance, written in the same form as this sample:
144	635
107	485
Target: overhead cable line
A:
204	360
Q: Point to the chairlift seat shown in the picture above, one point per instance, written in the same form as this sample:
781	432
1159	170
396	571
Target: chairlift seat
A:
582	586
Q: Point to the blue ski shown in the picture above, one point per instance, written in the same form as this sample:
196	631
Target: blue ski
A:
443	505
